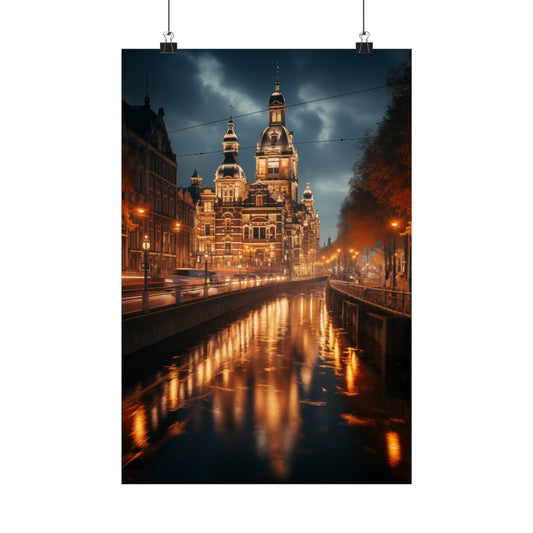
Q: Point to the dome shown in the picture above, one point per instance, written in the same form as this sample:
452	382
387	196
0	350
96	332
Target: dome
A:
276	98
307	194
275	137
230	169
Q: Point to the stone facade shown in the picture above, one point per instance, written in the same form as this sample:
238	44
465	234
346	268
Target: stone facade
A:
258	227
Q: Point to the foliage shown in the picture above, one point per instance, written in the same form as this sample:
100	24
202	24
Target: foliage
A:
380	188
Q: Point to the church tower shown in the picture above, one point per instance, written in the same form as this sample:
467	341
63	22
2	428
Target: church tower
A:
276	157
230	180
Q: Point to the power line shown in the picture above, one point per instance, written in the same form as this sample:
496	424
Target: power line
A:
301	142
290	105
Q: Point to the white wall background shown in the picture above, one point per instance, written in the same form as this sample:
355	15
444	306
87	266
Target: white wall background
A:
60	394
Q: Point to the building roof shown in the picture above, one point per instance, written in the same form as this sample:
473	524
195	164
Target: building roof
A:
148	125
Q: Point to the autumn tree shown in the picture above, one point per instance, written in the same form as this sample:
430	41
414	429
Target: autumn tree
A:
380	188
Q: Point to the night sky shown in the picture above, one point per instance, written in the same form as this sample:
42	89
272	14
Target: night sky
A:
198	86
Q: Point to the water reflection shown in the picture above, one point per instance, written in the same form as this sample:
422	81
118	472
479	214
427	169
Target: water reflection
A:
271	392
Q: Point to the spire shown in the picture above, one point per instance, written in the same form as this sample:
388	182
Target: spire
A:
277	76
147	98
230	144
196	179
231	113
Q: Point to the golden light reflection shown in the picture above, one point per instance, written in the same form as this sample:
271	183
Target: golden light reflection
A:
154	417
394	449
351	371
173	390
139	428
337	357
218	365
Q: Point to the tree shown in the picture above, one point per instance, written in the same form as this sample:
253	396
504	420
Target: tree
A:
380	189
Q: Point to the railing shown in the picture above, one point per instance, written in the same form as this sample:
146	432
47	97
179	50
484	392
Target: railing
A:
387	299
170	296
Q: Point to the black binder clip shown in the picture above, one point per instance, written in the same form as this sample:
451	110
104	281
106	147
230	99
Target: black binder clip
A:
364	47
168	47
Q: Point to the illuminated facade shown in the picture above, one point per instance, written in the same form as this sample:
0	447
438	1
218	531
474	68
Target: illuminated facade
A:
149	193
258	227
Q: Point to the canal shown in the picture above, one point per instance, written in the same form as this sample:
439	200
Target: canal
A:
277	395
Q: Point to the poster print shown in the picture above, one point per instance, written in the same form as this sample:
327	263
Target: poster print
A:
266	259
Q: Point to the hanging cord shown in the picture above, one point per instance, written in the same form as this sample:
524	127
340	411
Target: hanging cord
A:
168	47
364	47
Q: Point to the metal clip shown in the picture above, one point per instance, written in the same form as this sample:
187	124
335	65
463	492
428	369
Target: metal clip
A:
168	47
364	47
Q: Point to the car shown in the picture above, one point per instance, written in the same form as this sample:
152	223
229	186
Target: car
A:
186	277
213	278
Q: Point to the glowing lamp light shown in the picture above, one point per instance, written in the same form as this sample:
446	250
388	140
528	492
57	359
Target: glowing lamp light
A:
146	243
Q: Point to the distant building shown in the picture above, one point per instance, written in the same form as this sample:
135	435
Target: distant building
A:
260	226
151	203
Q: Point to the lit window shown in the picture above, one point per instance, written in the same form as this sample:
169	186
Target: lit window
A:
273	166
259	200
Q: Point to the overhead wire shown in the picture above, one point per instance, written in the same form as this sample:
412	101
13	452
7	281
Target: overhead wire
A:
290	105
300	142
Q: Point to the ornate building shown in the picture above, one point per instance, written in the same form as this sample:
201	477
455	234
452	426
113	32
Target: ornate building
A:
260	226
151	203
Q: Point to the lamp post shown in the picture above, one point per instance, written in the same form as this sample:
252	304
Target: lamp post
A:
177	229
394	224
146	247
206	257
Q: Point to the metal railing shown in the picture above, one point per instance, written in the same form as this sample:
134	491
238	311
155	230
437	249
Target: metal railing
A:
387	299
190	293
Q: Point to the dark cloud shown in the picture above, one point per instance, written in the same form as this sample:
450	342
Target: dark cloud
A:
197	86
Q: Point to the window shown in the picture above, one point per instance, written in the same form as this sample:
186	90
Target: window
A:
259	233
227	224
208	207
207	228
259	200
227	248
246	232
273	166
272	232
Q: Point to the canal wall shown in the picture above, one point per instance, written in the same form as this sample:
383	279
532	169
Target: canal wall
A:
386	337
142	331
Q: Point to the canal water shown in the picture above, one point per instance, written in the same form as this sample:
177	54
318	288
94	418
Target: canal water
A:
279	395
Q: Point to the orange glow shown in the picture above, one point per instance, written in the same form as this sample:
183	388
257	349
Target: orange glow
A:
394	450
139	430
173	390
351	372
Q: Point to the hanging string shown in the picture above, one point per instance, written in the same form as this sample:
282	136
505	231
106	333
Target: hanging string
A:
364	47
168	47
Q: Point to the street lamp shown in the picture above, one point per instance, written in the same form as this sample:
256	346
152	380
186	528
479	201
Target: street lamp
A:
206	257
146	247
394	224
